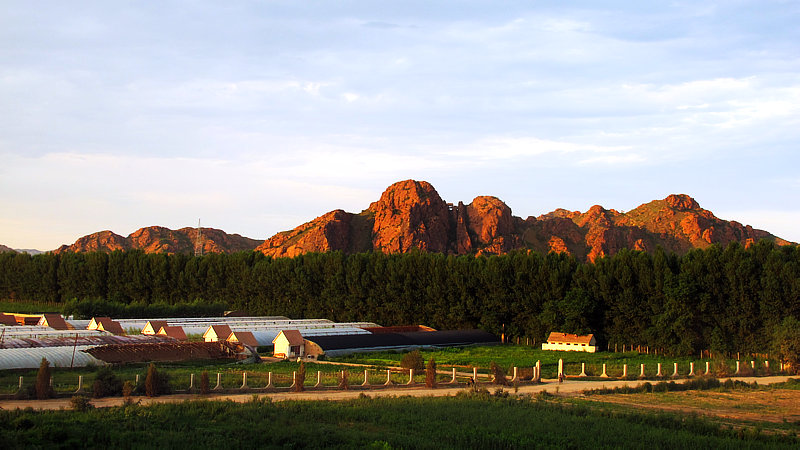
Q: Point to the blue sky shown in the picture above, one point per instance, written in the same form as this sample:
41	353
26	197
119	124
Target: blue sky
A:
259	116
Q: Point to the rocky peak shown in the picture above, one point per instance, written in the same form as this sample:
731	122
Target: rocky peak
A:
325	233
410	214
491	224
681	202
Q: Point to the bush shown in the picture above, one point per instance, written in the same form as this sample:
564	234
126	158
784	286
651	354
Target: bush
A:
430	374
204	387
127	389
43	389
80	403
413	360
156	383
499	374
300	378
106	383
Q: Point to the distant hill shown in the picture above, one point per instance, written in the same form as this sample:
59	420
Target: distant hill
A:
157	239
411	215
30	251
3	248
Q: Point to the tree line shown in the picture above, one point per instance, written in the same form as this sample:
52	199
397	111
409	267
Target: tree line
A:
725	299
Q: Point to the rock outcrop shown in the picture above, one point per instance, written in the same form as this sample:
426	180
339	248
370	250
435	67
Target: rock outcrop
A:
3	248
162	240
410	215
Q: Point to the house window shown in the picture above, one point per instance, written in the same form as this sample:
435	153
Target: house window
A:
295	349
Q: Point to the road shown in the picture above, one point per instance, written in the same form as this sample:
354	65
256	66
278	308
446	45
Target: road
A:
569	387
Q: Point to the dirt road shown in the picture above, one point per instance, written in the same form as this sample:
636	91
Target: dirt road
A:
570	386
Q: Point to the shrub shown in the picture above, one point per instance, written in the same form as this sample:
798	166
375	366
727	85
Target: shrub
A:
127	389
413	360
204	387
43	389
80	403
106	383
156	383
430	374
745	370
300	378
499	374
720	368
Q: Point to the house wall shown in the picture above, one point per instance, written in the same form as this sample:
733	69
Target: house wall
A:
569	346
283	349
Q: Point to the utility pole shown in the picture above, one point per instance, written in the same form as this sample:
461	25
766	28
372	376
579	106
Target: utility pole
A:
198	244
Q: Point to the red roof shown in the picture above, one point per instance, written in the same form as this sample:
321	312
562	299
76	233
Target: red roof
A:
175	331
556	337
106	324
8	319
293	336
54	321
243	337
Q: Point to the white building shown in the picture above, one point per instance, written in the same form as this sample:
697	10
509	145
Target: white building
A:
570	342
288	344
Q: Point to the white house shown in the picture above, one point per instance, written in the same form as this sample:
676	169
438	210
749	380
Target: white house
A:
288	344
54	321
216	333
106	324
570	342
95	322
176	332
243	337
152	326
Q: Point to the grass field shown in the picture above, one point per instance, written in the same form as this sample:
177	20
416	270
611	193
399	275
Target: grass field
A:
66	380
478	420
26	307
765	409
521	356
463	359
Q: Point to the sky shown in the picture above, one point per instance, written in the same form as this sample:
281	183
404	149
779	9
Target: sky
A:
257	116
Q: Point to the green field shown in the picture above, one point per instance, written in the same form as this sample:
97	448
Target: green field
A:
521	356
466	421
463	359
29	307
66	380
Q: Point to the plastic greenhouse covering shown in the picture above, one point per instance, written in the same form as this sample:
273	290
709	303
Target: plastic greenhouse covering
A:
31	358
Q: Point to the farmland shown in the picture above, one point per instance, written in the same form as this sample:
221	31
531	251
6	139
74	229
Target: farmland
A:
509	356
476	420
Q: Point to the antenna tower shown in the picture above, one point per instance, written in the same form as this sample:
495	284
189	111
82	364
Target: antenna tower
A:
198	243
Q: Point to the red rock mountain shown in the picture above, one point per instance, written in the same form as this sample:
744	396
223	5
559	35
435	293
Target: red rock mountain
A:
3	248
411	215
162	240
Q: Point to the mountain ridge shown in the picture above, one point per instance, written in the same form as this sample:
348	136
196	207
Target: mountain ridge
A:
157	239
411	215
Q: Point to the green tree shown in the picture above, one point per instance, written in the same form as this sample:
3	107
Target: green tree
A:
786	342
